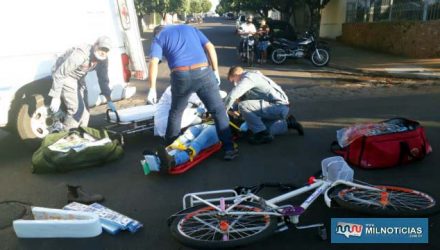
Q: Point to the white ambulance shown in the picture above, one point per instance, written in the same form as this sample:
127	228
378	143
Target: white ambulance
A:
35	33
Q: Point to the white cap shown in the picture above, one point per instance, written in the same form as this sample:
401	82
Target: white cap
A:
104	42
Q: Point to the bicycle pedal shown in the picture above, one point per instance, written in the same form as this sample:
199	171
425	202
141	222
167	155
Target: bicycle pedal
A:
292	211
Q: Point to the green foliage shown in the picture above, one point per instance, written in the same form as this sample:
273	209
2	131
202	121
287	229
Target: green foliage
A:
229	5
263	6
206	5
219	10
195	6
141	7
161	6
179	6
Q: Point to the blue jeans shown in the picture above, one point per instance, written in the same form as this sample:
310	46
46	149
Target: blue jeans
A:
261	115
203	82
202	136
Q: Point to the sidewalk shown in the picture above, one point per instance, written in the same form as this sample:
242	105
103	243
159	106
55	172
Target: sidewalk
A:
369	62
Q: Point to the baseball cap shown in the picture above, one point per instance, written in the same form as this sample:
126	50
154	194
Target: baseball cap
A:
104	42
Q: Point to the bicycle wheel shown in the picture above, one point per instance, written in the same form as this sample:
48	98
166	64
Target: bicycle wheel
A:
391	201
205	227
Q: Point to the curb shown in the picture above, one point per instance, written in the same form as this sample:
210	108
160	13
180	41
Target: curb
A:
385	74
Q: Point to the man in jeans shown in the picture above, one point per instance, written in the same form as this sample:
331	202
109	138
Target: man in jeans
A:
184	48
262	103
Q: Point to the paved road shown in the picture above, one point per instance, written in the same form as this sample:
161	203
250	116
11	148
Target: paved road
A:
290	158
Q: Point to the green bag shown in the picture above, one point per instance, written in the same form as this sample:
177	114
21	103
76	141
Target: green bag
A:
46	160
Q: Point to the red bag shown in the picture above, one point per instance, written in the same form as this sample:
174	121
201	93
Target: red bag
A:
387	150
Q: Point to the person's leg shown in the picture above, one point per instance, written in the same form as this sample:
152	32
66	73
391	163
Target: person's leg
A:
175	153
264	52
208	93
180	93
181	157
258	52
72	99
84	103
240	47
205	139
275	116
185	139
251	110
265	55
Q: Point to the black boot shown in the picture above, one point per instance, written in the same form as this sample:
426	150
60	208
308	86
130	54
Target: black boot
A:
261	138
167	162
293	124
77	194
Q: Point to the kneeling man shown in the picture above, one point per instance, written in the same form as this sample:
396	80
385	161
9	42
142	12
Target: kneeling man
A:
262	103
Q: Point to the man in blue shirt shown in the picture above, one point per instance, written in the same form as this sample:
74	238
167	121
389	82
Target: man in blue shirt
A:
188	52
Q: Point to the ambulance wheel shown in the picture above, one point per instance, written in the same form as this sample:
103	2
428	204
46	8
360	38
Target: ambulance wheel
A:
34	119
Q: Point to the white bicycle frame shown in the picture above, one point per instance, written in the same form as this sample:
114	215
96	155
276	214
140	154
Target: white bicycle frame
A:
321	187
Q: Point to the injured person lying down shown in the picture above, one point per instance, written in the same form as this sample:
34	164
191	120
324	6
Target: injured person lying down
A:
187	146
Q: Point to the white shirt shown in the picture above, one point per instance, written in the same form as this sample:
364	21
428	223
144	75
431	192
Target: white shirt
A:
247	28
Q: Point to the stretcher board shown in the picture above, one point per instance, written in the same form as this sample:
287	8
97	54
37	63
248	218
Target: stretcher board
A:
200	157
131	120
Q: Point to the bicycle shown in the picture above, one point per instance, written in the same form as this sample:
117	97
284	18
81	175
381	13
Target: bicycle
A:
235	217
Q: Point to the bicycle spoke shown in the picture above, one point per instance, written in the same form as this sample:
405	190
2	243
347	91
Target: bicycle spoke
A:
398	199
205	224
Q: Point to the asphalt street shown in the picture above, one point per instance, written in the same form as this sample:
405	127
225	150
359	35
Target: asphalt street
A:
289	159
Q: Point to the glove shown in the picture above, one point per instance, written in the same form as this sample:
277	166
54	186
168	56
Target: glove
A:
55	105
111	106
217	76
152	96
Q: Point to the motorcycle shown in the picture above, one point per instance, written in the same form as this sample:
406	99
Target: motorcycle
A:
249	50
305	47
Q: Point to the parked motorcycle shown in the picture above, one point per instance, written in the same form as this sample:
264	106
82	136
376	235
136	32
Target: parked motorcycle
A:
306	47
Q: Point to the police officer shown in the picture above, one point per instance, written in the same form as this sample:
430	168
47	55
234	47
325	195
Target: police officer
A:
192	60
69	84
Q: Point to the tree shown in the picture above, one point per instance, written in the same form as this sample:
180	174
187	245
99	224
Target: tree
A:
162	7
195	6
206	5
230	5
141	10
219	10
179	6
